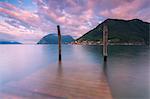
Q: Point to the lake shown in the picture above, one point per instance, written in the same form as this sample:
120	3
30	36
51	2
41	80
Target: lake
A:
34	71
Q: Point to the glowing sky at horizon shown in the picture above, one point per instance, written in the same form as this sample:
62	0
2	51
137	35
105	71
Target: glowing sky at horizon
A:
29	20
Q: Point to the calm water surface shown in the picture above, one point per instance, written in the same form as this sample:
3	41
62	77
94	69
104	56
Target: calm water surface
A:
127	69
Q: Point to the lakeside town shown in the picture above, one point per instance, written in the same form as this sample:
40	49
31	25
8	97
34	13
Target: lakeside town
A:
109	42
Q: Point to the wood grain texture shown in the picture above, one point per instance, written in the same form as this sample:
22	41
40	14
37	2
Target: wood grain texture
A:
59	82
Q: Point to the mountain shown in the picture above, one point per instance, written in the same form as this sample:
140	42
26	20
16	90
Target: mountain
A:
120	31
53	39
9	42
7	39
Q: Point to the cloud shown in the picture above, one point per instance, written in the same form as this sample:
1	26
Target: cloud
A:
127	9
18	33
19	14
5	37
75	17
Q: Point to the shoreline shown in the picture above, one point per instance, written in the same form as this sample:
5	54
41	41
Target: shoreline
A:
114	44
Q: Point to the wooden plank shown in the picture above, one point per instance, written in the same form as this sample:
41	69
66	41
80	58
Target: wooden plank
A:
69	82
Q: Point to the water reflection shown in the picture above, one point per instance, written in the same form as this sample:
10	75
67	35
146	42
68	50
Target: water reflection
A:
128	73
60	69
80	72
105	68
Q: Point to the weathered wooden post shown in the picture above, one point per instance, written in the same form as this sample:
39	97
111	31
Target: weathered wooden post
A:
105	41
59	42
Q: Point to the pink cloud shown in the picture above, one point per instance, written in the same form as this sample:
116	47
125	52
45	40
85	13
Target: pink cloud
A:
126	10
8	6
75	17
20	14
20	34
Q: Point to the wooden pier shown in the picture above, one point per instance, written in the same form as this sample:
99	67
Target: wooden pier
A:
55	82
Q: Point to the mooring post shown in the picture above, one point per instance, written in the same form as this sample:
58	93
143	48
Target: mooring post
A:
105	41
59	42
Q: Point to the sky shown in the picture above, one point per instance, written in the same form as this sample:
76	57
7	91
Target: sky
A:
27	21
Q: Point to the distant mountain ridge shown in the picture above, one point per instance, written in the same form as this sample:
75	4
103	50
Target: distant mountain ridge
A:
120	31
9	42
53	39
